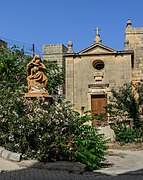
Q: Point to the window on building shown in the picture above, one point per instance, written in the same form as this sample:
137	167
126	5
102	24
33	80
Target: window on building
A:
98	65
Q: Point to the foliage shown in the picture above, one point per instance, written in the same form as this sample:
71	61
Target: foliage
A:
90	147
56	76
12	67
37	129
13	70
128	134
126	104
125	110
49	133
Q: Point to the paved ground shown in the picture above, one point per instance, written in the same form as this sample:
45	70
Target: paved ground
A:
40	174
124	161
126	165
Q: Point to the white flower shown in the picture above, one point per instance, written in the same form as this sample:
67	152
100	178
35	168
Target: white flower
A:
15	113
24	155
11	138
21	127
3	120
16	145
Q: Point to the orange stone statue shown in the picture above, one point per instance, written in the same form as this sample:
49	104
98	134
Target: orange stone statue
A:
37	80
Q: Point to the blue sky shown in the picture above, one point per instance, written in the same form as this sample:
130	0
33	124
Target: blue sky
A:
58	21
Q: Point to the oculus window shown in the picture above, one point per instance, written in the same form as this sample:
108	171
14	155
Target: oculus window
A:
98	65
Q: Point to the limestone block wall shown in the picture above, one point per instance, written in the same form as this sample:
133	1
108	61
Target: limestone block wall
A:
80	74
134	41
54	53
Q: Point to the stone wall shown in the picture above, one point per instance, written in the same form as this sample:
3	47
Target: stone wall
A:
80	74
54	53
83	81
134	41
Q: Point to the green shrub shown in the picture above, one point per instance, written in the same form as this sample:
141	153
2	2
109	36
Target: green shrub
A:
37	130
56	76
128	134
49	133
125	104
90	147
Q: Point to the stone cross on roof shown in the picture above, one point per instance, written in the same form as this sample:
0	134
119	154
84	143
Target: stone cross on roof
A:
97	37
97	30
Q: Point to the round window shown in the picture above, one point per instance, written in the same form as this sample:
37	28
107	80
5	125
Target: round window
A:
98	64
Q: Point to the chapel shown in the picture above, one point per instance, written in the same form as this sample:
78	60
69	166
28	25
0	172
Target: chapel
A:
91	73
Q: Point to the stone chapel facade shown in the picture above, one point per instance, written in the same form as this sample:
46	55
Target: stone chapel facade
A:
95	70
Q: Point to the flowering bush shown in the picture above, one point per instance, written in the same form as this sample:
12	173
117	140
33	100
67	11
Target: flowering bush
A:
48	133
40	131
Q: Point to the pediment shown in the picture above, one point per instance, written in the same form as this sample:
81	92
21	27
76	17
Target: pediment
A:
97	49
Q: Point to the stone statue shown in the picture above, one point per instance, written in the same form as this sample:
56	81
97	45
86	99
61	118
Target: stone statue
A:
37	80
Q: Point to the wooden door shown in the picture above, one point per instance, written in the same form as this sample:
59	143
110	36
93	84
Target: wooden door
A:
98	103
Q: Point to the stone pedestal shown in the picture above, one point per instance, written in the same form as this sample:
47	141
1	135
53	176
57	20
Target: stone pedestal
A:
37	94
108	132
32	95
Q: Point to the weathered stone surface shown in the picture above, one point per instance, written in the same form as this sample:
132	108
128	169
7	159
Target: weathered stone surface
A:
1	150
108	133
29	95
10	155
80	73
54	53
134	41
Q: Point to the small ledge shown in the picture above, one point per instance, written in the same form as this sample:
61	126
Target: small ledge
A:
30	95
98	85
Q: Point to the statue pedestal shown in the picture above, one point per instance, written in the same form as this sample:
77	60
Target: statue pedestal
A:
37	94
32	95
